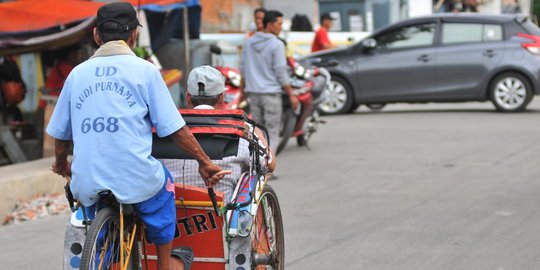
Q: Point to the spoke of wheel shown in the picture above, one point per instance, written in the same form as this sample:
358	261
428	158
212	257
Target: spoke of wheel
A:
509	82
518	100
501	93
502	88
103	252
262	243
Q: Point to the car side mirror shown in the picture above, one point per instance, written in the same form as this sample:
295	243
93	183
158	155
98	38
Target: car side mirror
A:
214	48
369	44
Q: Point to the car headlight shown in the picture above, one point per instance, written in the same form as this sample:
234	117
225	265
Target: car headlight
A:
234	78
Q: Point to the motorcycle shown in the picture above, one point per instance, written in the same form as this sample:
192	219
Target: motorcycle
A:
232	83
308	85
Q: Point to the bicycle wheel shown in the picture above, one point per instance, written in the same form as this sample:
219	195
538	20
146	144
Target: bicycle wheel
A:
101	249
267	240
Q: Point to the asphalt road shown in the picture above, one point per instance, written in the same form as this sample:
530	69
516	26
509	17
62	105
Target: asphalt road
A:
445	186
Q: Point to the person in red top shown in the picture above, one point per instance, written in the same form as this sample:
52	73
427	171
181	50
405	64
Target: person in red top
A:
322	41
58	74
70	57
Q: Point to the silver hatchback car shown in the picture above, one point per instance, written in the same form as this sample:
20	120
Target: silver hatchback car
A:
440	58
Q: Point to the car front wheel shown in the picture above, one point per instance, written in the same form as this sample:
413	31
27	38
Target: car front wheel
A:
338	97
510	92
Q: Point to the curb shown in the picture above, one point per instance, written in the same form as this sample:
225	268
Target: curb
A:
25	180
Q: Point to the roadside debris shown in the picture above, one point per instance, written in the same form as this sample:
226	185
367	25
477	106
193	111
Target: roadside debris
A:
37	207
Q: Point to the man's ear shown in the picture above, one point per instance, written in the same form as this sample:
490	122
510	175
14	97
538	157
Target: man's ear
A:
133	38
220	103
188	99
97	39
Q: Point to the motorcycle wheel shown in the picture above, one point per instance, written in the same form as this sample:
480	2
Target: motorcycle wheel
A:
311	125
286	128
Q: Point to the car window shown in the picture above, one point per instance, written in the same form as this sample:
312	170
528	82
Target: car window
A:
406	37
492	32
470	32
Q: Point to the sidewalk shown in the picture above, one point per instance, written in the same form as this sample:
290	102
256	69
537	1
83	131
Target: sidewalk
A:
25	180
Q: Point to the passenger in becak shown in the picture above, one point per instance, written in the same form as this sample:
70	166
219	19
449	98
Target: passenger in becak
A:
205	92
107	109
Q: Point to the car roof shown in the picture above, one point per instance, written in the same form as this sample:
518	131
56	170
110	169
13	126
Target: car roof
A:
476	17
457	17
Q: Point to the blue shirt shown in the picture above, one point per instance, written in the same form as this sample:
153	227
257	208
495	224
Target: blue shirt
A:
108	107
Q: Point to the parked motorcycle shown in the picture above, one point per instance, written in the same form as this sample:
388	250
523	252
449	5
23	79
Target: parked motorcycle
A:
232	83
308	85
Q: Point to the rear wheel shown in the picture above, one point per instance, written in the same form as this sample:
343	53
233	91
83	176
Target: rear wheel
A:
338	97
102	245
267	239
510	92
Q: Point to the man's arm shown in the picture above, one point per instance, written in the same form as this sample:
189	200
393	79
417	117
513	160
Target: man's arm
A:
61	165
271	166
242	87
208	170
280	70
292	97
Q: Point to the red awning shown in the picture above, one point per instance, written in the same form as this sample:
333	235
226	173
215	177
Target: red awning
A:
35	15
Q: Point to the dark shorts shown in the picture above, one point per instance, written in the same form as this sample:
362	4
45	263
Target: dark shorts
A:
159	213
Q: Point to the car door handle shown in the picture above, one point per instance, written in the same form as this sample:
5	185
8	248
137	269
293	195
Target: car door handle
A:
424	58
489	53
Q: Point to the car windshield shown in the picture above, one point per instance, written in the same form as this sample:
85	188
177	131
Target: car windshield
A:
531	27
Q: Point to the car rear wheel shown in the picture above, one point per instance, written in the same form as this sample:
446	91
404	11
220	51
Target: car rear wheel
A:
510	92
338	97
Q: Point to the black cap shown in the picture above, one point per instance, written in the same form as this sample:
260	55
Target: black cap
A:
326	16
122	14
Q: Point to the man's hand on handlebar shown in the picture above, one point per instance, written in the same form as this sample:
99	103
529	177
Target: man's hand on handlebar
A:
62	168
212	173
294	101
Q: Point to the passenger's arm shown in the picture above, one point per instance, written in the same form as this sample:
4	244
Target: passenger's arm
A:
61	165
208	170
